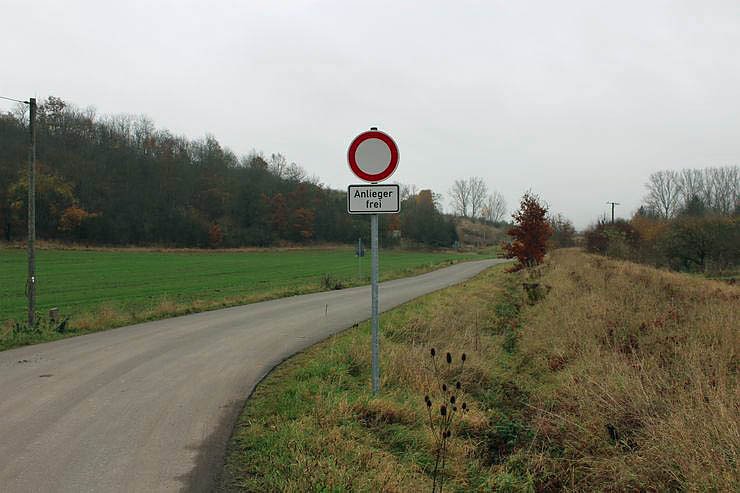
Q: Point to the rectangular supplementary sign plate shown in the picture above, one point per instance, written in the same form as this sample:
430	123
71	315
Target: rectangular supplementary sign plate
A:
373	199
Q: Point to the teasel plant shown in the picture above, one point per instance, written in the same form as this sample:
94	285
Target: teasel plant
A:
442	414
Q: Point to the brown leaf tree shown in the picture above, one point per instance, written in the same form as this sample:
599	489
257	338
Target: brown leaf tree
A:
215	235
530	233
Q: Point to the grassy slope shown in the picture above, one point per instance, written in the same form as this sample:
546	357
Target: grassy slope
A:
620	378
643	367
313	424
110	288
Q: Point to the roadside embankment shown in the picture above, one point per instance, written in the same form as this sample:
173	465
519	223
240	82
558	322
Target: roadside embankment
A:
586	374
635	379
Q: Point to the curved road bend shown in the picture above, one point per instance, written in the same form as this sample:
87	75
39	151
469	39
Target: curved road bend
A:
150	407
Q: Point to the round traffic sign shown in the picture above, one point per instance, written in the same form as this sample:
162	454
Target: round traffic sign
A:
373	156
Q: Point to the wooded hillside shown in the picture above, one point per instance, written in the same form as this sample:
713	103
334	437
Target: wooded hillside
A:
121	181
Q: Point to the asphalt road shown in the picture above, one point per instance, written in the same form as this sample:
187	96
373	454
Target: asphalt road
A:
151	406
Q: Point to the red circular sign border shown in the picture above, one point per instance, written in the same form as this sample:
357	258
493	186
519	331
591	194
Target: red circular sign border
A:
373	134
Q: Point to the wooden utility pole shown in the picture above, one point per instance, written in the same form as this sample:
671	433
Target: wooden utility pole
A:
31	287
613	204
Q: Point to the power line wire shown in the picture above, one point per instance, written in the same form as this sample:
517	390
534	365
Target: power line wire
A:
16	100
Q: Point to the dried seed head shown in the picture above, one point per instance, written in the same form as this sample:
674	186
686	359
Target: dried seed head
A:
444	387
458	386
448	433
434	352
426	398
464	357
449	358
443	410
429	403
464	406
454	408
452	399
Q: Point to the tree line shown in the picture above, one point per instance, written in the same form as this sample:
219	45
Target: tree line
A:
688	222
118	180
670	192
470	198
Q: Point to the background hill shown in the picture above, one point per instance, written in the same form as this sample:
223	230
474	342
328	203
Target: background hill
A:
120	181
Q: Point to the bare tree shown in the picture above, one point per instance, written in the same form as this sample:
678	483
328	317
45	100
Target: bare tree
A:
20	113
142	129
664	192
294	172
494	209
724	183
692	185
717	188
460	197
406	191
437	199
278	165
478	191
563	231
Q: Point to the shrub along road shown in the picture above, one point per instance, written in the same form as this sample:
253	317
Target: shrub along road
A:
150	407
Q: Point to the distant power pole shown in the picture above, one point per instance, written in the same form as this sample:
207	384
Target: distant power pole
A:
32	216
613	204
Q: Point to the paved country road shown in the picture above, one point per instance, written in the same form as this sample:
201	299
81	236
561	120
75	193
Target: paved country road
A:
150	407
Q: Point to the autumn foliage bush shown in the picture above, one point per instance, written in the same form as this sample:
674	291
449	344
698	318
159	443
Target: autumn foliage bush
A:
215	235
73	217
530	233
704	243
616	239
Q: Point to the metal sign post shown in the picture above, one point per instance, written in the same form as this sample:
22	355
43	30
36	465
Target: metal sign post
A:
373	157
374	324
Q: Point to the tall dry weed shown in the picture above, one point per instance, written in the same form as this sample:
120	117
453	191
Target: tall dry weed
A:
644	365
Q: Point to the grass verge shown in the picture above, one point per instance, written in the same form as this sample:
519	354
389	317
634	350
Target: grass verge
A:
633	379
601	376
313	424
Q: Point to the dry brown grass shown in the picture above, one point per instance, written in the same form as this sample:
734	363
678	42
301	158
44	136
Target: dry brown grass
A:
104	316
622	378
642	370
475	233
322	429
107	315
457	320
450	321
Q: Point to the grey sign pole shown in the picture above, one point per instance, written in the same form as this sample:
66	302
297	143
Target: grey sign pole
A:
374	303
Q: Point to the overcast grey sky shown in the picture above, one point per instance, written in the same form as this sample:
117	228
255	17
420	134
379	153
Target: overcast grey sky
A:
577	100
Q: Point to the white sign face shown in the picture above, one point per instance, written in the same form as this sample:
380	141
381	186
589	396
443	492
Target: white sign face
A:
373	199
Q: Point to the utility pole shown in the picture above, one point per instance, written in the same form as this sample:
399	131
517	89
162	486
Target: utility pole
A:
613	204
31	286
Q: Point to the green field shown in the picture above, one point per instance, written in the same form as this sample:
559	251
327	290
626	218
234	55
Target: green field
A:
79	281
